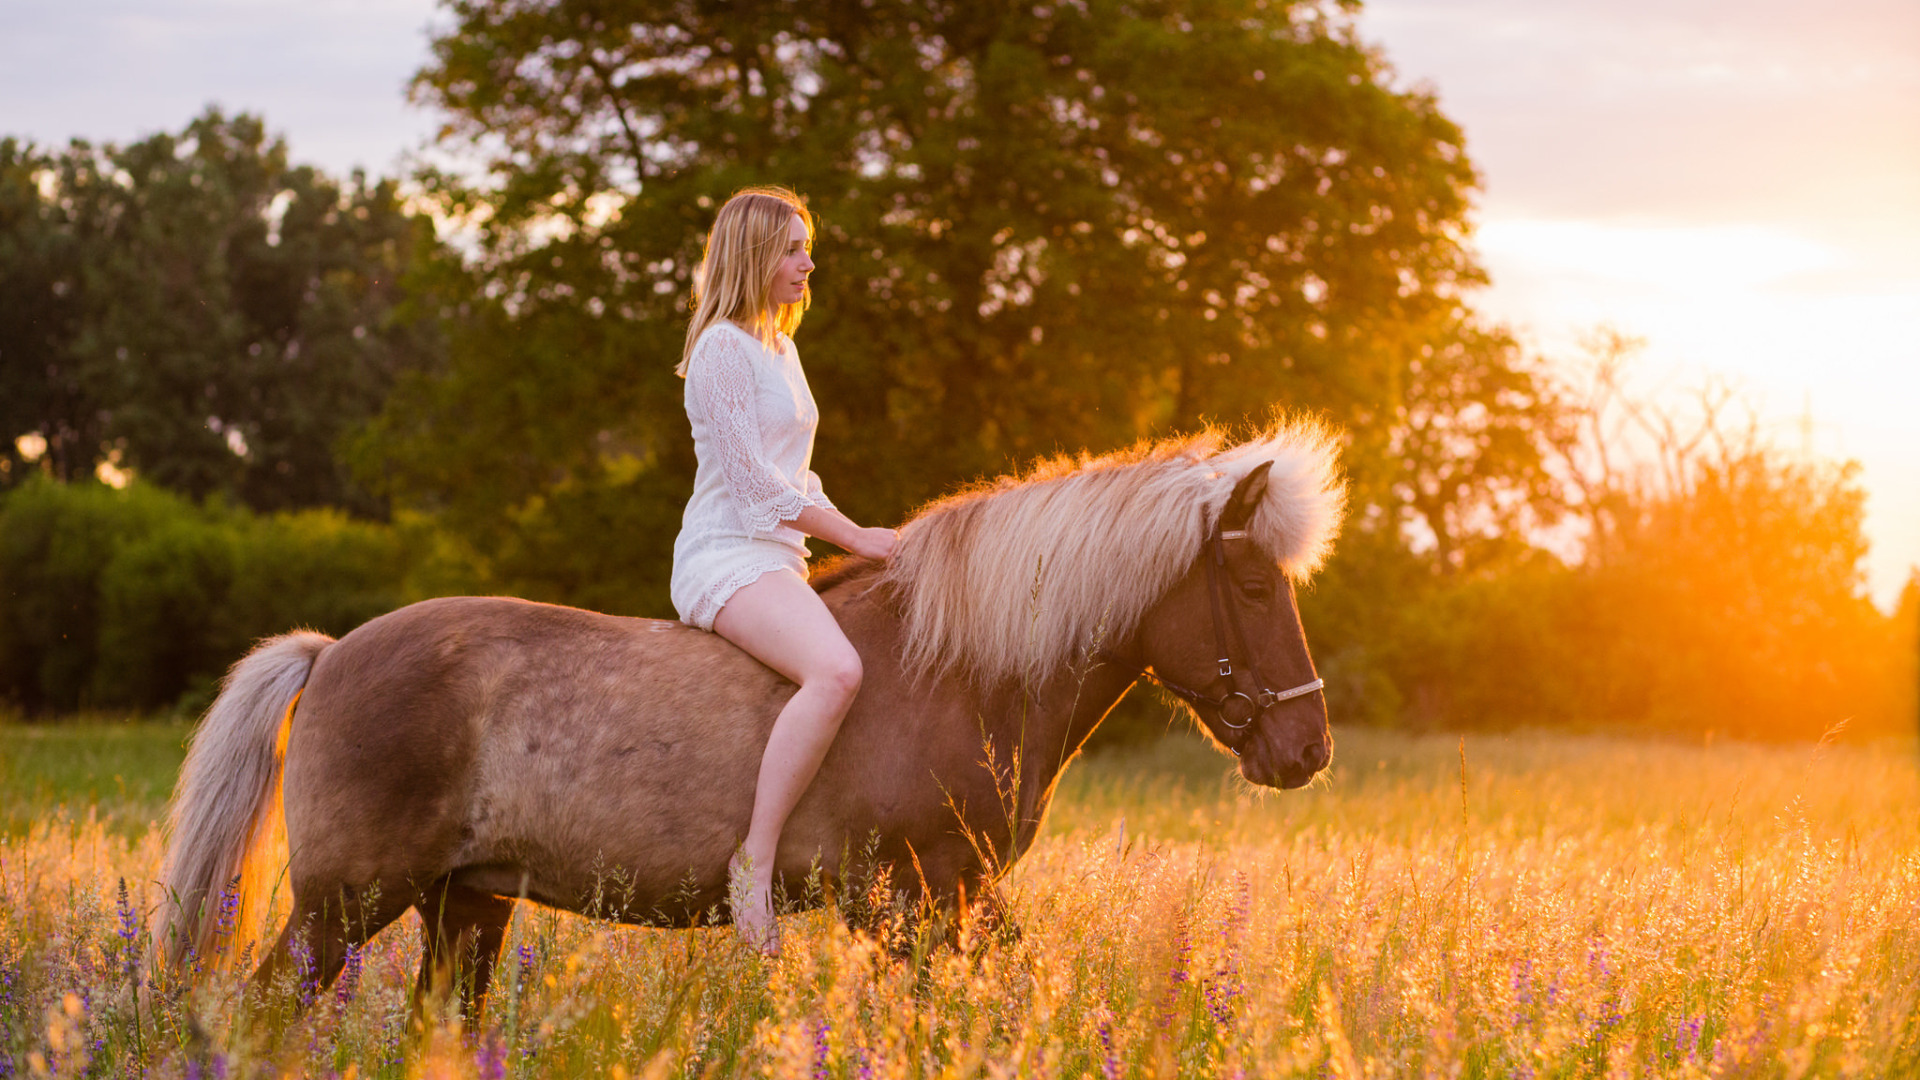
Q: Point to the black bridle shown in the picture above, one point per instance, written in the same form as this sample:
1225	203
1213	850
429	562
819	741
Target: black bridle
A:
1231	714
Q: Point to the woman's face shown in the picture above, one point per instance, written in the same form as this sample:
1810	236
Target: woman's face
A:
790	277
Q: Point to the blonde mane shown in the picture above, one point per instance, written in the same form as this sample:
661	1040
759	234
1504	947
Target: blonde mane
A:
1015	577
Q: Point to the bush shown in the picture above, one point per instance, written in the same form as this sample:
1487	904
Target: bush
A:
1735	608
138	598
55	543
161	601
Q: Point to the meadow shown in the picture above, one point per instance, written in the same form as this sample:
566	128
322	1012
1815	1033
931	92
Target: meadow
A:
1519	905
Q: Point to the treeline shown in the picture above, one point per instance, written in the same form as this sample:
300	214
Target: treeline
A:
1044	228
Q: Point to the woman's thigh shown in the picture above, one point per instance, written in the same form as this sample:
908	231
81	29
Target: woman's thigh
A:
785	625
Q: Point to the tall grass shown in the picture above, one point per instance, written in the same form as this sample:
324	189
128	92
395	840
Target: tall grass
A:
1532	905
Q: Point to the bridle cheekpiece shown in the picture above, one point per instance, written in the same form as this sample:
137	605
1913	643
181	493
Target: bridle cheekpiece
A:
1233	712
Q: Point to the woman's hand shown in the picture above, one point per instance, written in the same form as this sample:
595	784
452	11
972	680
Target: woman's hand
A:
839	530
874	543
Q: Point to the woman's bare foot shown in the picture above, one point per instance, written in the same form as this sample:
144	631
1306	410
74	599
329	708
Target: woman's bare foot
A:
750	898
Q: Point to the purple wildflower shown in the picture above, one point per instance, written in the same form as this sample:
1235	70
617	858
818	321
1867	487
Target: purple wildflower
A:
128	929
1523	981
1109	1061
820	1032
1597	958
1522	991
1686	1040
1224	986
309	970
229	914
490	1057
349	981
1218	995
1179	972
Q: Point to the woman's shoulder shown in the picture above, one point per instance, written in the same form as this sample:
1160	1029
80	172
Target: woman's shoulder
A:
725	335
723	342
721	331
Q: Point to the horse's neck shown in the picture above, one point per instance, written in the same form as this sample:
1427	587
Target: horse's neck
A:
1035	730
1048	726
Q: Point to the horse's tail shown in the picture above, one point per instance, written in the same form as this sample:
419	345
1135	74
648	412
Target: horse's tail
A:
226	805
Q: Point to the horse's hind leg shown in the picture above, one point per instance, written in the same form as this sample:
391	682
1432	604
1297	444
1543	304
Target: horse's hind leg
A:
324	926
464	929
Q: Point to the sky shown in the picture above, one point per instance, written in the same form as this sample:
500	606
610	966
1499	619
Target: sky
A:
1737	182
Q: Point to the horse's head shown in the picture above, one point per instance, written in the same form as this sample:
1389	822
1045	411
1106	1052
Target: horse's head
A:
1227	640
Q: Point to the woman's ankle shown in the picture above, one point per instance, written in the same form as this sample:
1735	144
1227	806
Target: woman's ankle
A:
749	860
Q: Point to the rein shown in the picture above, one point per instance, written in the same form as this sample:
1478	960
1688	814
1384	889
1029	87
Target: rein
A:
1231	719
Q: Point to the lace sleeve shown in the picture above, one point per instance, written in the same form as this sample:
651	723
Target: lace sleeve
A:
810	487
722	378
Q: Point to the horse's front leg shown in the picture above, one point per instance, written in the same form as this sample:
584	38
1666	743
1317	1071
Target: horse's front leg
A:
985	921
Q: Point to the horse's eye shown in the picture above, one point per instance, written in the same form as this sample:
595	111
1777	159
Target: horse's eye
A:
1255	589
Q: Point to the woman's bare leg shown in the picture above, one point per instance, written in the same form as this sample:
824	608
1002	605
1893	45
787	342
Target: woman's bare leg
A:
783	623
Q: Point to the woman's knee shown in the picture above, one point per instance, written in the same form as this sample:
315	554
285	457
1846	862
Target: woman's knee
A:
839	673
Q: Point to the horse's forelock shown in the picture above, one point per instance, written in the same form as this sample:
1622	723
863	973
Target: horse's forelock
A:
1012	578
1305	497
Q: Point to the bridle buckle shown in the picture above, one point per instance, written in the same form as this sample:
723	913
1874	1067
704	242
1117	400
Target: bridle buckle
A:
1253	710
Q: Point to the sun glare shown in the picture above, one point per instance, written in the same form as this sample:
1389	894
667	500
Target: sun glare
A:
1712	258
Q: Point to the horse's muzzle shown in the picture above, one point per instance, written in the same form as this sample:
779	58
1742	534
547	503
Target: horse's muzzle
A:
1276	766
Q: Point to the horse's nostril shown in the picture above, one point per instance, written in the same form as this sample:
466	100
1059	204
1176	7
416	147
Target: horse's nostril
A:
1314	755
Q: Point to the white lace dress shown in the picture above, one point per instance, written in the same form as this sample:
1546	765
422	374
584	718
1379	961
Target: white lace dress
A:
753	424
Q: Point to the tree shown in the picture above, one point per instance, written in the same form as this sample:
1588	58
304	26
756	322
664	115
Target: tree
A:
1719	586
1045	226
40	312
198	310
1473	436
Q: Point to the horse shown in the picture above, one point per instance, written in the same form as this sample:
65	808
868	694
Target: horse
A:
459	755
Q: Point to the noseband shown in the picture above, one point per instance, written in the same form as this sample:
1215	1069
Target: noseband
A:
1232	713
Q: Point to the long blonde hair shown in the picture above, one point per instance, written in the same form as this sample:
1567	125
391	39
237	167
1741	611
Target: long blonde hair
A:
735	279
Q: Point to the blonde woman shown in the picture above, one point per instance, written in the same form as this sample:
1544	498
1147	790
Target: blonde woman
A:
740	563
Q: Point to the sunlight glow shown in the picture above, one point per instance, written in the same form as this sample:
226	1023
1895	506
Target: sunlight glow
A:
1823	342
1724	258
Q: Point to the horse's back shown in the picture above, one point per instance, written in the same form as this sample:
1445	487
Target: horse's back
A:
485	731
530	748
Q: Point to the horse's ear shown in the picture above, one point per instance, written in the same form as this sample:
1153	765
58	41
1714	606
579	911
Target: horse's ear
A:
1245	498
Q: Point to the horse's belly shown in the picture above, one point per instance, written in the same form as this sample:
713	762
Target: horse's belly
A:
644	771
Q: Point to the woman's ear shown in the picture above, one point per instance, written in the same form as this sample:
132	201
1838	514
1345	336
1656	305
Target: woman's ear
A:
1245	498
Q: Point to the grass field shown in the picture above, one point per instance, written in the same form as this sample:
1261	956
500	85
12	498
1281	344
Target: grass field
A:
1514	906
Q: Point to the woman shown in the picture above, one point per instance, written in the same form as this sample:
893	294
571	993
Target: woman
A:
739	565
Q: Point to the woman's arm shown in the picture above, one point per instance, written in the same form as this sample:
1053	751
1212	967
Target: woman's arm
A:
721	377
838	529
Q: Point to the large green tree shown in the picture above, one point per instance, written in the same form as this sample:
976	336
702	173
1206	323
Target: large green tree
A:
197	309
1046	226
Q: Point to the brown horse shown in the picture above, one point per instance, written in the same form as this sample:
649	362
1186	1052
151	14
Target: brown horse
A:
460	753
